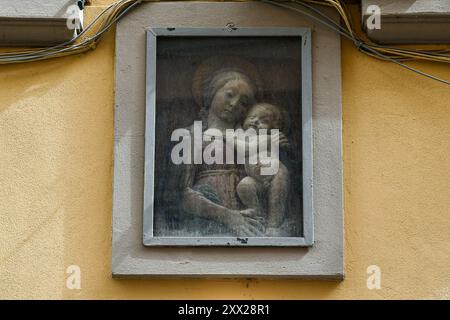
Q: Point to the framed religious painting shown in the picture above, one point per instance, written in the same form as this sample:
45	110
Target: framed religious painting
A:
228	137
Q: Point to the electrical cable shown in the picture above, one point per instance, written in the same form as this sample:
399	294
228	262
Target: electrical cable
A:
89	37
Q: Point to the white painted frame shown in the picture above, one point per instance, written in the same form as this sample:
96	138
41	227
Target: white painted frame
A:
304	36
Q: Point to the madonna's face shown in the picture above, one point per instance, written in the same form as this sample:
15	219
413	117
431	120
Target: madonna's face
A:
231	102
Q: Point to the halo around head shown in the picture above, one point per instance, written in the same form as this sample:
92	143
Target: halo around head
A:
211	66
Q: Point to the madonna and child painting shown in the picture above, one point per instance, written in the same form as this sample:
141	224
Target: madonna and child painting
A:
228	137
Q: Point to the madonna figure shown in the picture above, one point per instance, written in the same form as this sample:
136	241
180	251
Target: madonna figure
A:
209	198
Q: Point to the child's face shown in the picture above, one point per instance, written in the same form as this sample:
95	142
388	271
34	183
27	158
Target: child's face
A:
259	118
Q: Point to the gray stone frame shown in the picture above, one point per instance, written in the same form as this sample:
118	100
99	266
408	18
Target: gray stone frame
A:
304	37
129	256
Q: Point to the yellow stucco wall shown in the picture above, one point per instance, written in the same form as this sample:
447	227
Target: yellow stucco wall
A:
56	148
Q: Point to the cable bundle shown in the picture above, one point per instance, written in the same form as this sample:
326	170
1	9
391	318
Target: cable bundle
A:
108	17
84	41
366	45
387	53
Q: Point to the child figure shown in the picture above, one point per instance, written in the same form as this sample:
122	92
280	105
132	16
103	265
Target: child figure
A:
266	194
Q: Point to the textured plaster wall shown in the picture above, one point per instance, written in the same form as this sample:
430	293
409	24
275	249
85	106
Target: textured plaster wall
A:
56	146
